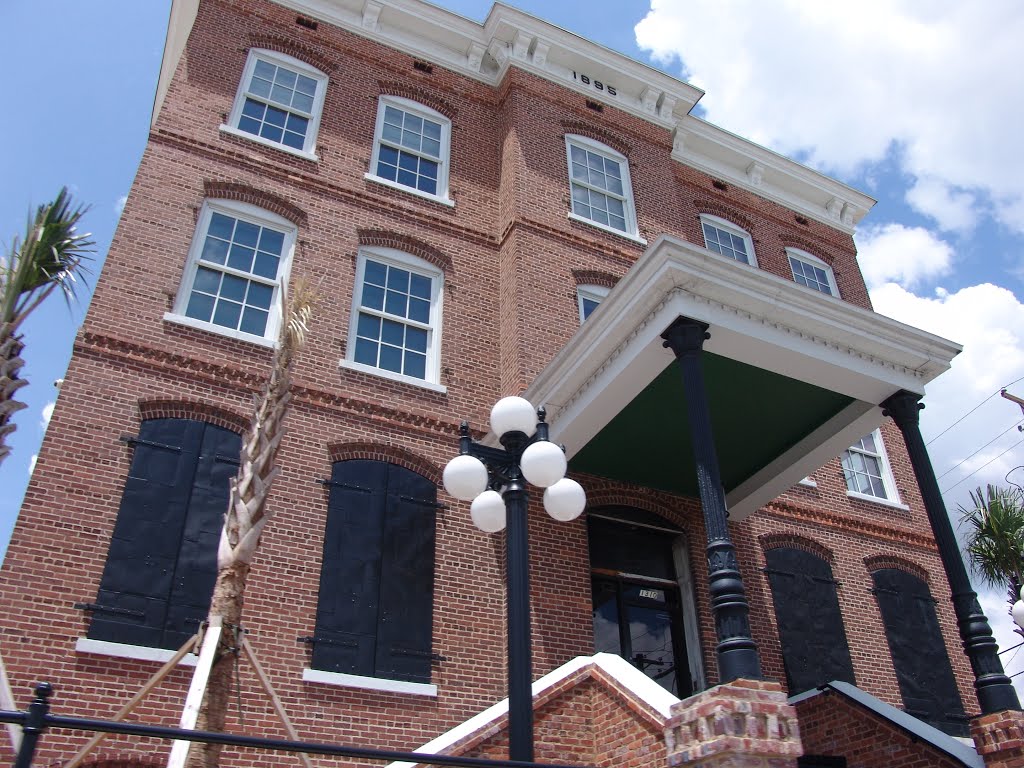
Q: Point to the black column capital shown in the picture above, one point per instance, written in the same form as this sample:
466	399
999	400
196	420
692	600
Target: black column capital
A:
904	408
685	336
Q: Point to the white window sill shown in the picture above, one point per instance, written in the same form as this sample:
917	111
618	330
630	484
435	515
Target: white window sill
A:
267	143
421	383
171	317
877	500
368	683
443	200
606	228
808	482
138	652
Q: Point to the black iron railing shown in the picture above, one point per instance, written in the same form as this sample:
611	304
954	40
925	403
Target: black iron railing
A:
36	720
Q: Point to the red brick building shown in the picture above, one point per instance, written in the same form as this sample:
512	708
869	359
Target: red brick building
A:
465	196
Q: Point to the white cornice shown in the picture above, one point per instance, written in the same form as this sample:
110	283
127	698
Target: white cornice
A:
511	38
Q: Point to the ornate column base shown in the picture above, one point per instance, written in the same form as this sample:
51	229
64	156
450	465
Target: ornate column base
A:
999	738
742	724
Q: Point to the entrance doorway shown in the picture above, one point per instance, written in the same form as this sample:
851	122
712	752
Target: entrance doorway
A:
639	608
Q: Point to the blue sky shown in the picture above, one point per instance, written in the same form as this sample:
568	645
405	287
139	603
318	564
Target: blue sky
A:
915	104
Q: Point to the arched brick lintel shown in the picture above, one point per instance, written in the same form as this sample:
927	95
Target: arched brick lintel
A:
607	497
769	541
714	208
389	453
880	562
597	134
243	193
413	93
594	277
286	45
383	238
193	409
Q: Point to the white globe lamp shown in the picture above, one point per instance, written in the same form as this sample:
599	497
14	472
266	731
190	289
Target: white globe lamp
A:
565	500
1017	610
465	477
513	414
543	464
488	512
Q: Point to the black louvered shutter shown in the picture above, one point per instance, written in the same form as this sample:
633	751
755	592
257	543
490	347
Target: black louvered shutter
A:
407	578
810	622
375	608
168	499
918	651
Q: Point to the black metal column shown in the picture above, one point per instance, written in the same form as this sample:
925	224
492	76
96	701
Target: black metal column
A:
737	651
520	672
34	726
995	691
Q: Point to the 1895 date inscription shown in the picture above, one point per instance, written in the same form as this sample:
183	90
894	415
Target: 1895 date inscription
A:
588	80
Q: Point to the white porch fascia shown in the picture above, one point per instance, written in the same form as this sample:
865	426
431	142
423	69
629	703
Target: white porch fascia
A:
754	317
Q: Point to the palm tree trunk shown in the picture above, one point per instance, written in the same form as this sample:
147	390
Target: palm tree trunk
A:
10	382
247	516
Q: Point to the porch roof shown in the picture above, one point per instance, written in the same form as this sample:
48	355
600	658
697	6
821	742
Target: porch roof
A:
794	377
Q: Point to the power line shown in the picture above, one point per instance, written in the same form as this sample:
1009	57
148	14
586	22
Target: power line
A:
973	410
954	485
986	445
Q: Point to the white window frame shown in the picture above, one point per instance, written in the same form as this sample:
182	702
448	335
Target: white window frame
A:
727	226
892	496
814	261
444	161
588	144
308	150
402	260
595	293
253	215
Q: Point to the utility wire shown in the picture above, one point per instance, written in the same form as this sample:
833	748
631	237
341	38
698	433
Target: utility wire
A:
973	410
986	445
954	485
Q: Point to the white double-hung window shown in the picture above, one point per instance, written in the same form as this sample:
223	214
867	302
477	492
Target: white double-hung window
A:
279	102
812	272
600	187
866	469
238	261
396	317
411	148
726	238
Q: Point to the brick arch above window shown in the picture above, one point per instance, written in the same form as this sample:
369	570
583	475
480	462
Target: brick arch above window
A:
195	410
300	51
391	454
383	238
770	541
417	94
594	277
610	497
812	248
881	562
244	193
597	134
126	762
715	208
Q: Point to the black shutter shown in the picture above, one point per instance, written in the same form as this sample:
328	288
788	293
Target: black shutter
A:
168	499
375	608
347	608
918	650
810	622
407	578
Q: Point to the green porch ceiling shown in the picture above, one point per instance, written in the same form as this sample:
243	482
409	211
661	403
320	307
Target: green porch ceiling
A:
755	414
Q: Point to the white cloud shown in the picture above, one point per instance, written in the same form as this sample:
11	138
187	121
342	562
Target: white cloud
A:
120	203
905	255
44	419
933	82
952	210
989	322
32	463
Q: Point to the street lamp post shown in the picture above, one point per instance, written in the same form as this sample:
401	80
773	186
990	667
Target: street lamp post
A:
494	479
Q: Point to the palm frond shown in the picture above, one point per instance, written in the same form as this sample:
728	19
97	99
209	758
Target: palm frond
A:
995	535
52	255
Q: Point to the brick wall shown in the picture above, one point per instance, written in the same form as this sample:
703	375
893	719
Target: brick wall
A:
509	255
